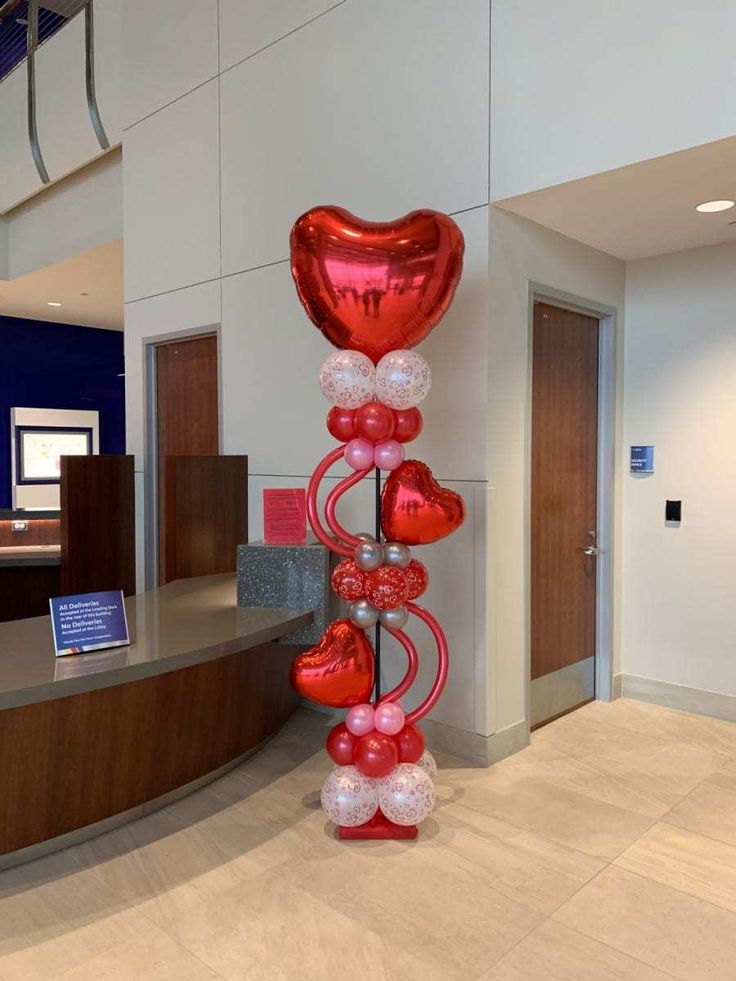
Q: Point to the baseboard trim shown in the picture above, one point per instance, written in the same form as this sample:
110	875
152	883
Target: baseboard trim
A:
477	749
696	700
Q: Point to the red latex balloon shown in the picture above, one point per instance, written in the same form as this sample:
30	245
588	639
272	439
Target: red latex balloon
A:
415	510
341	745
408	424
386	587
376	755
375	422
375	286
339	670
348	581
341	423
410	744
417	579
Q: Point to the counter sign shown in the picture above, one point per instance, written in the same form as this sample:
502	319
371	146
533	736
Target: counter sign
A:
89	622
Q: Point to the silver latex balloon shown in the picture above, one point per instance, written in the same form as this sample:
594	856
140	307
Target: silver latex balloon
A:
363	614
369	556
394	619
394	553
365	536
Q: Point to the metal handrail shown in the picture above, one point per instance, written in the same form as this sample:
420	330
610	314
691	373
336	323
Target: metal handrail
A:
31	45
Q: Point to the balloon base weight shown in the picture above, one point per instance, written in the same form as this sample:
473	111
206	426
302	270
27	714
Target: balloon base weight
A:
379	828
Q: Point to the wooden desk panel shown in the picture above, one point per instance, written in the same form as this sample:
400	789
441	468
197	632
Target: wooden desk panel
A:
70	762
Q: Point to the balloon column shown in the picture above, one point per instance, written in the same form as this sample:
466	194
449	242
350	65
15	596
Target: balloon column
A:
375	291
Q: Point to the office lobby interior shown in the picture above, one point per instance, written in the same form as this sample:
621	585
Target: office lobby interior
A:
367	558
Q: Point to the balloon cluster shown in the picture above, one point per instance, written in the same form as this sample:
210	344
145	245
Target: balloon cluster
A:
375	290
375	409
395	770
378	582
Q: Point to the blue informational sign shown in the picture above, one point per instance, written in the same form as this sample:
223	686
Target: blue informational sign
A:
642	459
89	622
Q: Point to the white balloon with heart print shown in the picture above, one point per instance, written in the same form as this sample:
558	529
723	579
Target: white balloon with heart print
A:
403	379
407	795
348	379
428	763
349	798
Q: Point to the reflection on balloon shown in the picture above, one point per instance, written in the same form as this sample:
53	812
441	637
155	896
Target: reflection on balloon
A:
372	286
339	670
340	745
408	424
375	421
389	718
410	743
348	797
359	454
348	581
415	510
341	423
388	455
348	379
376	755
360	718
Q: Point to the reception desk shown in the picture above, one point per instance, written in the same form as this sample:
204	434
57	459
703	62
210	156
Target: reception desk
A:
91	740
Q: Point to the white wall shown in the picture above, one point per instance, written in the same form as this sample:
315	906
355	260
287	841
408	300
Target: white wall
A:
77	214
680	582
580	87
523	253
317	103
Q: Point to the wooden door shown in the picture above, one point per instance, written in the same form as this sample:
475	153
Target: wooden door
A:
187	412
563	510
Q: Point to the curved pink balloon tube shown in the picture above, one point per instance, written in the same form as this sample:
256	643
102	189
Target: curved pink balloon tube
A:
312	512
331	503
443	663
323	466
403	687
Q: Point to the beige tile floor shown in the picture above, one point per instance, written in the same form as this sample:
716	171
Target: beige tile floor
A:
606	850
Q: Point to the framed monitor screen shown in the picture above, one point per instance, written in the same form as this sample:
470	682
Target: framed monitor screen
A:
40	450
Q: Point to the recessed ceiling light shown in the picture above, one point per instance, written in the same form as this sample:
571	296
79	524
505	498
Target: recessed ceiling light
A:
53	303
708	207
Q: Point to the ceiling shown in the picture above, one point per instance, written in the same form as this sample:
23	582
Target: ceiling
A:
645	209
98	273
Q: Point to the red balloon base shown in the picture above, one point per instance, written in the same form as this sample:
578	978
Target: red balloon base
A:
381	829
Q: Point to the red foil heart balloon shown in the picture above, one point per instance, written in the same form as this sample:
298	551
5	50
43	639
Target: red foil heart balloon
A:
339	670
375	286
415	510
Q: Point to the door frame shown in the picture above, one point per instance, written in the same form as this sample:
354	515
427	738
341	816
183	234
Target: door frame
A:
607	377
150	435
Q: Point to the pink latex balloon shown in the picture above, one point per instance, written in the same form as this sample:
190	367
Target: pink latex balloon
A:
388	718
388	454
359	719
359	454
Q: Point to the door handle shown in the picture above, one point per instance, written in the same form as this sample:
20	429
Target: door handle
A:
590	550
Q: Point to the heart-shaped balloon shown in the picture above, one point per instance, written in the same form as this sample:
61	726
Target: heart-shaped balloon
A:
375	286
339	670
415	510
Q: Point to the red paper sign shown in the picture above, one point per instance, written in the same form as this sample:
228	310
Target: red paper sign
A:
285	516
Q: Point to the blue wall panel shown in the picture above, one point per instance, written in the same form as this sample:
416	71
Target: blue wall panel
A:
60	366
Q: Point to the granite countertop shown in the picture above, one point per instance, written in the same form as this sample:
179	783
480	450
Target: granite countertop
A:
186	622
15	555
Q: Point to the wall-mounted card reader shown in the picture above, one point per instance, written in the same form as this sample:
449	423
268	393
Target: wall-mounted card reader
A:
673	511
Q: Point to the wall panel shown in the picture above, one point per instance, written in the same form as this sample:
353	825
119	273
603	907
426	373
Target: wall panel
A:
379	107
